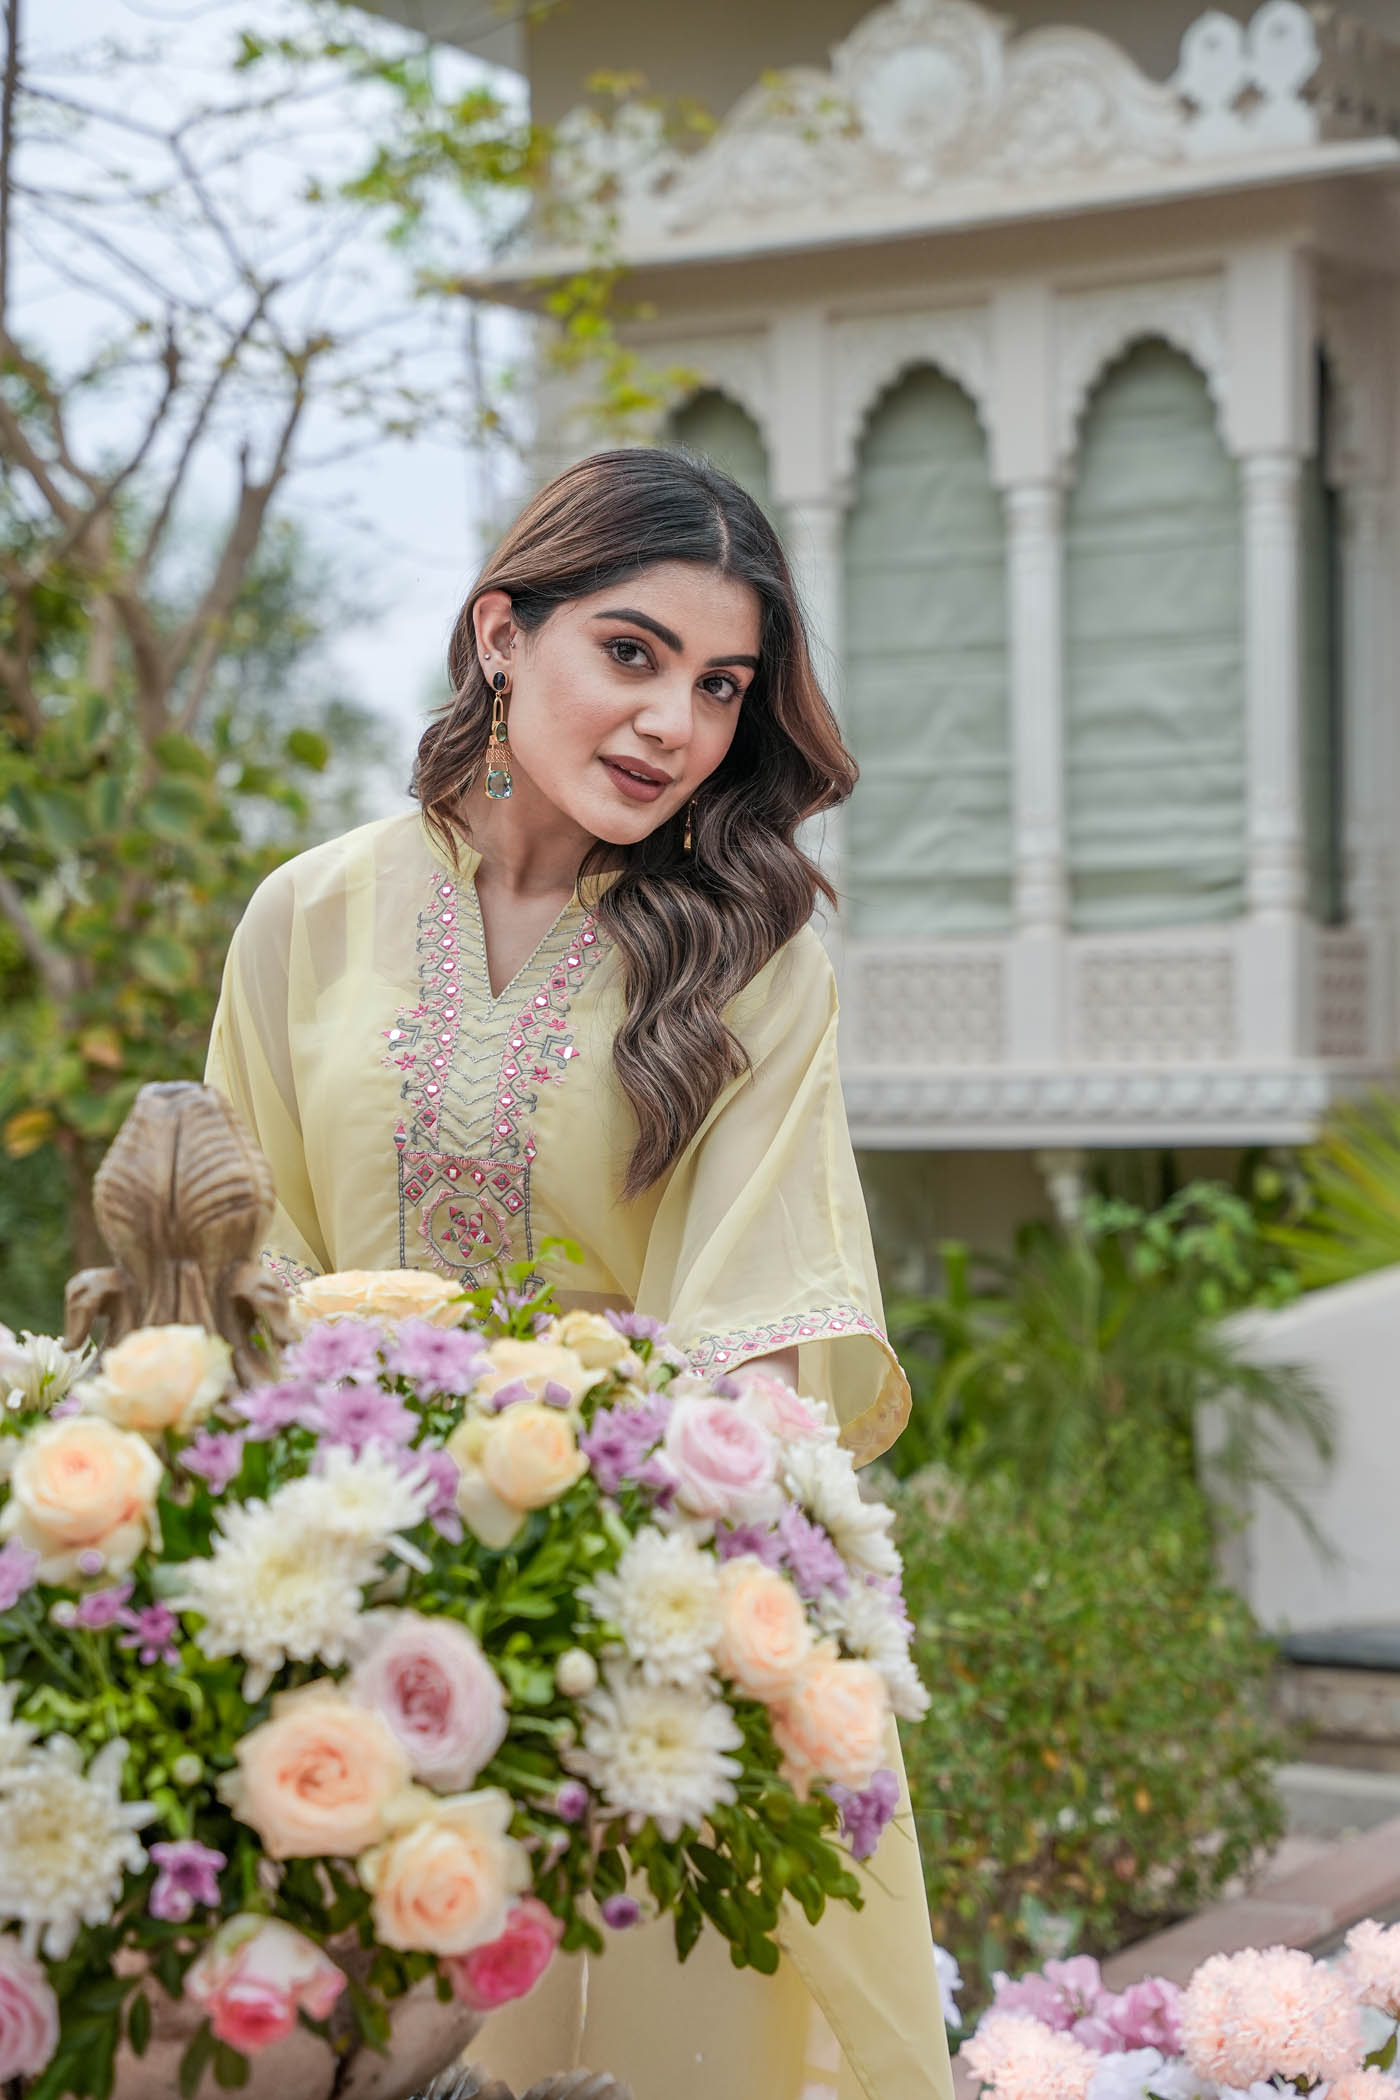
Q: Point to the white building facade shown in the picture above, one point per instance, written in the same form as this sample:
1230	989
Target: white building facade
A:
1073	392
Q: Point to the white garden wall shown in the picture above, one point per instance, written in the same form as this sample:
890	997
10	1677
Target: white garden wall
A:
1349	1338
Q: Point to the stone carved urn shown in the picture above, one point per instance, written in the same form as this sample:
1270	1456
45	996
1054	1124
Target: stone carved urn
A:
182	1200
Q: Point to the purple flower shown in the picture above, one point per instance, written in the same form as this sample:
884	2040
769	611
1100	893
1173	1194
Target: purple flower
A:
336	1349
90	1563
188	1874
70	1404
813	1562
621	1439
638	1327
759	1539
508	1394
444	1478
268	1409
864	1815
571	1801
891	1587
620	1911
152	1634
436	1359
214	1456
18	1565
557	1395
726	1388
361	1415
102	1608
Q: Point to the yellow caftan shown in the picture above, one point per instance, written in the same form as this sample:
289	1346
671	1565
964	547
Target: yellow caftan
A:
413	1119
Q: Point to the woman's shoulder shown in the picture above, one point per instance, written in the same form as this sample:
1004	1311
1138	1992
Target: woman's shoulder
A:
795	989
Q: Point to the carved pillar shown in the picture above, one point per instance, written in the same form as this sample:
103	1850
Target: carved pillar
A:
1035	607
813	528
1271	1018
1368	753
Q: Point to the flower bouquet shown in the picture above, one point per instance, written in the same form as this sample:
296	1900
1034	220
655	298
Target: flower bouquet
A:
480	1634
1249	2026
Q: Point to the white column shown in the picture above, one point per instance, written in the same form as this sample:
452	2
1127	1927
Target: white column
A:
813	528
1367	744
1271	1006
1035	609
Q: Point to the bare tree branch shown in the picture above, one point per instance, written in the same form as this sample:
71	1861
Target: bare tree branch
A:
7	138
57	972
193	436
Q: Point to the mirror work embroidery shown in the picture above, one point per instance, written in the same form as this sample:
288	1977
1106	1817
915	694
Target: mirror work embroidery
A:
473	1068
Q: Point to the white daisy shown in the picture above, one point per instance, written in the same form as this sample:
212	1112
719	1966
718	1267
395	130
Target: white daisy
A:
66	1839
36	1370
274	1590
657	1751
868	1625
822	1478
365	1501
664	1599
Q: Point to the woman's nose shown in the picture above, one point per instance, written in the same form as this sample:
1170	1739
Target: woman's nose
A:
667	713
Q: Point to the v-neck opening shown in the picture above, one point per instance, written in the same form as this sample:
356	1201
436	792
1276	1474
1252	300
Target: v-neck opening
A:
493	997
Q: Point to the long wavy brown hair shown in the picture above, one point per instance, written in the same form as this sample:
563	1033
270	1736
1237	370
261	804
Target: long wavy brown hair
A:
692	928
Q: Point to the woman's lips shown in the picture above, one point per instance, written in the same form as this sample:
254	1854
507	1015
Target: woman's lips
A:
631	784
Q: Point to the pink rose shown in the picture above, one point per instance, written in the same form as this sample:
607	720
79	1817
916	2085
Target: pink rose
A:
510	1966
1146	2016
724	1464
254	1977
774	1405
430	1681
28	2014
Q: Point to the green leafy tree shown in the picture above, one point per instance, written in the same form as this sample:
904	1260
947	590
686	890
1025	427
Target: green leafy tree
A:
1344	1216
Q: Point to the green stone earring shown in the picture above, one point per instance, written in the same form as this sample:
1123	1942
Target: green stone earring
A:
498	781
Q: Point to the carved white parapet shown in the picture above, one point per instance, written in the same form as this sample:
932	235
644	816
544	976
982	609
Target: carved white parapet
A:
927	97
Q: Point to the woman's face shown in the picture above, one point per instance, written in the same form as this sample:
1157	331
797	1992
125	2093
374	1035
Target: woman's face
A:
622	703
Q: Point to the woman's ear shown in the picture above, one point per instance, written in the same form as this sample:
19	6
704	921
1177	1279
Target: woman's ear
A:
493	622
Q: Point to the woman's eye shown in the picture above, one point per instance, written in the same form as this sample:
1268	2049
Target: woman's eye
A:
627	652
722	687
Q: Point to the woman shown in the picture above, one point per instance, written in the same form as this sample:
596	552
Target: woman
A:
579	995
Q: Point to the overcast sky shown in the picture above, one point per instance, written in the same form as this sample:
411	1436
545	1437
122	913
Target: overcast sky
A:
401	525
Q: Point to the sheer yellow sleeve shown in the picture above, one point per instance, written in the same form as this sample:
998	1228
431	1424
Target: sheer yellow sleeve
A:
250	1064
761	1241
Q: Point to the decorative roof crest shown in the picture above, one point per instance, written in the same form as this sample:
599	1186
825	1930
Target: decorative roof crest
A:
928	95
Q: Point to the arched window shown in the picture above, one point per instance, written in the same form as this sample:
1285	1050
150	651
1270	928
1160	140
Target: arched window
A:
719	430
1154	670
926	679
1324	726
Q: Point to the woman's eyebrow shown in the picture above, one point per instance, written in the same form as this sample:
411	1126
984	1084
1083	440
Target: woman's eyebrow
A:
669	636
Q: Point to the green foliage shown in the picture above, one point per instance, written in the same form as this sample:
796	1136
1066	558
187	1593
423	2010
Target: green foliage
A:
1347	1220
1097	1759
1206	1238
1028	1366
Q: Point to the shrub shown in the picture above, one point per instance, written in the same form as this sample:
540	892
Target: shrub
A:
1098	1757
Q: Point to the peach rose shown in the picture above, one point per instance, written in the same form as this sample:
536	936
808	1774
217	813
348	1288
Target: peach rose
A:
537	1366
595	1341
444	1882
80	1486
388	1295
508	1464
314	1780
831	1723
255	1975
161	1378
765	1637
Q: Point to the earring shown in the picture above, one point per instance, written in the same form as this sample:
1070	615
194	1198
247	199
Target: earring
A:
688	842
498	780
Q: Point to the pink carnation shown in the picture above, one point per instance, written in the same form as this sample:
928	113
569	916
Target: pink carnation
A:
1271	2012
254	1977
1017	2059
511	1965
1146	2016
28	2014
1363	2085
1372	1964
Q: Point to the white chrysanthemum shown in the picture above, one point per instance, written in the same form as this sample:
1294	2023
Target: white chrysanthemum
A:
66	1839
36	1370
363	1501
658	1751
664	1598
822	1478
275	1591
15	1736
868	1625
